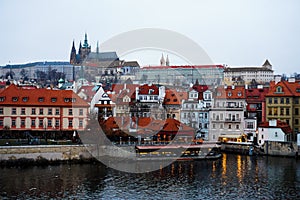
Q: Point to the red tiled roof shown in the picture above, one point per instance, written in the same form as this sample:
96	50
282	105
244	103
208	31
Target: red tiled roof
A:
288	89
172	97
229	93
280	124
256	95
145	89
14	95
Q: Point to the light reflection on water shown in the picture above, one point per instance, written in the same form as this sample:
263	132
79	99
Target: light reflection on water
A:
232	177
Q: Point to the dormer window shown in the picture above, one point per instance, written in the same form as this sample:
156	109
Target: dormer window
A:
2	99
229	94
25	99
53	99
15	99
41	99
279	89
239	94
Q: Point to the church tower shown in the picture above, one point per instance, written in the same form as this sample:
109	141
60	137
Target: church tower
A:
73	54
162	60
86	48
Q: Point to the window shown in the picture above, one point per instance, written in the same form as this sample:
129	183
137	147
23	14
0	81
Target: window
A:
237	126
13	122
287	111
250	125
1	111
53	99
287	100
276	134
33	122
296	111
262	136
70	111
2	99
80	111
275	111
239	94
281	111
22	122
41	123
57	123
296	100
41	111
229	94
296	121
270	100
80	123
221	126
282	100
275	100
279	89
229	126
57	111
41	99
25	99
14	99
1	122
13	111
214	126
70	123
49	111
22	111
33	111
49	122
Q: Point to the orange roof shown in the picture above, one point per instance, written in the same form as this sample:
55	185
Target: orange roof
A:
280	124
14	95
288	89
238	92
172	97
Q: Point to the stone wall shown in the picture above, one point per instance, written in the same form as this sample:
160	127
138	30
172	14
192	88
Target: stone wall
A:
64	152
281	148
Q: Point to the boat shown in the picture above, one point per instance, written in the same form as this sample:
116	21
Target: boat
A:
178	152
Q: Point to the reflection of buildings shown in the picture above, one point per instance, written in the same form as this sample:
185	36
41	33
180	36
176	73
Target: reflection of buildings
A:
246	75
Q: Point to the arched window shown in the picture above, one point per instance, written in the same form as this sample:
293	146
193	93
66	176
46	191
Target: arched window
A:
279	89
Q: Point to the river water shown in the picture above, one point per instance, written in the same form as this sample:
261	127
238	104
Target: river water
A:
231	177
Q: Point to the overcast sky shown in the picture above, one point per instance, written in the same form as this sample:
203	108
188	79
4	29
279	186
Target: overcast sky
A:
232	32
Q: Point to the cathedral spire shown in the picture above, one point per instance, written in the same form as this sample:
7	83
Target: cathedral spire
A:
80	47
85	44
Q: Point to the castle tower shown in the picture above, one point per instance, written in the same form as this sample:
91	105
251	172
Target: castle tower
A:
85	49
97	48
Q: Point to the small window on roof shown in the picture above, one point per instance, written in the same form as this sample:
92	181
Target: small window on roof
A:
53	99
41	99
2	99
279	89
239	93
25	99
14	99
229	94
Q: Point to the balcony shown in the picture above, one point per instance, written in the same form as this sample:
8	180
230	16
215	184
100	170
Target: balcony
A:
233	120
